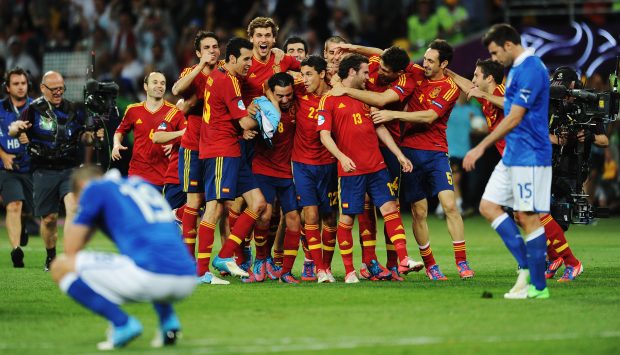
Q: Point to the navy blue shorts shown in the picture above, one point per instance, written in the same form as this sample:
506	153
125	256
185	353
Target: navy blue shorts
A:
431	174
227	178
393	167
191	171
282	188
173	193
316	185
353	188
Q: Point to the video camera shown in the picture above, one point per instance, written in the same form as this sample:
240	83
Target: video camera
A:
586	106
100	102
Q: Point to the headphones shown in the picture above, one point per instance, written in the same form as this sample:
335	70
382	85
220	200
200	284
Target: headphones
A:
16	71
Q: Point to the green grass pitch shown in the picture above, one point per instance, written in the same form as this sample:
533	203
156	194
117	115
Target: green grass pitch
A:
416	316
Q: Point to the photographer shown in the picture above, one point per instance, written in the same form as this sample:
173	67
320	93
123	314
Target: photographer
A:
15	176
54	129
572	140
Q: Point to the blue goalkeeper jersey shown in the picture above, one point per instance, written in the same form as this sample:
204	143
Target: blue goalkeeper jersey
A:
527	85
138	220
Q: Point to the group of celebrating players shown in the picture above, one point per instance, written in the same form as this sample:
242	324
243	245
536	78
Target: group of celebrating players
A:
358	127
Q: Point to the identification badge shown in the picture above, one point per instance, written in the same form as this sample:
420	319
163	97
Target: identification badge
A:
47	124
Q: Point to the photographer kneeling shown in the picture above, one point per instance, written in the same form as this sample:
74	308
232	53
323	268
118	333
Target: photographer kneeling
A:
54	129
572	133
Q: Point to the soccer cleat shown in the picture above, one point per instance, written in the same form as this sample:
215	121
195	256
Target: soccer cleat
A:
288	278
434	273
321	277
378	271
408	265
229	265
209	278
532	292
330	276
571	272
177	221
395	274
121	336
351	278
168	333
552	267
307	273
365	273
273	271
48	261
519	290
464	270
247	256
17	256
259	270
250	279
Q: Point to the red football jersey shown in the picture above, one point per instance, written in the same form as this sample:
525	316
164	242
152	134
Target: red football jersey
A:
308	148
403	87
437	95
354	132
148	159
260	72
494	115
223	107
191	137
171	124
276	161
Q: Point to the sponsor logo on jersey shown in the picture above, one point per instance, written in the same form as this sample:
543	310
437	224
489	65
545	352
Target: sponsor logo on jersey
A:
342	105
139	121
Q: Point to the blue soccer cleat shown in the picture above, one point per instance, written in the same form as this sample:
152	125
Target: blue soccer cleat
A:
168	332
288	278
434	273
121	336
552	267
378	271
247	256
395	274
260	269
465	272
229	265
273	271
571	272
308	272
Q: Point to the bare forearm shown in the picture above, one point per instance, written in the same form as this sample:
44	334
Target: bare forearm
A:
373	98
495	100
506	125
366	51
165	137
184	83
76	237
387	139
426	116
330	145
118	138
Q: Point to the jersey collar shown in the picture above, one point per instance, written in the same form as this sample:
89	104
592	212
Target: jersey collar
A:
528	52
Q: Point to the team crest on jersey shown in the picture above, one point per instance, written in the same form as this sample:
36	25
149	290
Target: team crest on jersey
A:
321	120
209	81
436	91
276	68
240	105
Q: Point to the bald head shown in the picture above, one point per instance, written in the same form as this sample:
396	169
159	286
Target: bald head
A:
53	87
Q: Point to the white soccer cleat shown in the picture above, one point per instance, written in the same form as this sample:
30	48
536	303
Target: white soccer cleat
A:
235	270
519	290
211	279
321	277
330	276
351	278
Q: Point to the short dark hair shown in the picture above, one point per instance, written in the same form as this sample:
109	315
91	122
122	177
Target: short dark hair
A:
351	61
234	45
395	58
146	77
202	34
444	49
491	67
500	34
16	71
282	79
318	63
295	39
334	39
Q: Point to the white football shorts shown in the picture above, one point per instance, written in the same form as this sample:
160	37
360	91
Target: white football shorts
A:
523	188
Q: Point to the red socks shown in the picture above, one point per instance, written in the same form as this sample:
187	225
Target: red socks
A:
368	233
329	244
313	237
189	219
459	251
396	232
242	227
291	245
345	243
206	235
556	241
260	241
427	255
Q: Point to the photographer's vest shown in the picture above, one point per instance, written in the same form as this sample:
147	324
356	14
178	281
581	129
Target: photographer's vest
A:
54	135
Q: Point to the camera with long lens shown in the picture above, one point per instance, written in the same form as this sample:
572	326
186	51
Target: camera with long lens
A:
574	111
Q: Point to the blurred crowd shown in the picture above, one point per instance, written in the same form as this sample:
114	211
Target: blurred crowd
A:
133	37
